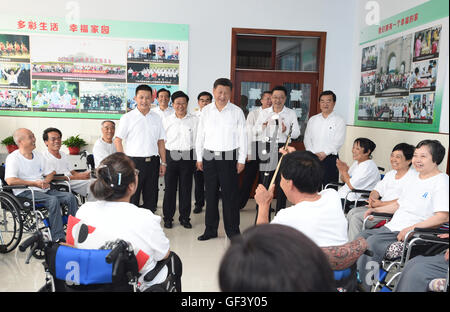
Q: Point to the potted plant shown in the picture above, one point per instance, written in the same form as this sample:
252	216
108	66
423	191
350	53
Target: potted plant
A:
74	143
10	144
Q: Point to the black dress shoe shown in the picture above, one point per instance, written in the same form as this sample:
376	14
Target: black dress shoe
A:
168	224
198	209
206	236
186	224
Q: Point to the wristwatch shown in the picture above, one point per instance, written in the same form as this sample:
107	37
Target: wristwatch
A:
164	164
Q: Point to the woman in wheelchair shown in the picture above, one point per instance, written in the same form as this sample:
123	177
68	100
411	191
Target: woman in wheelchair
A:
362	175
113	217
423	203
388	190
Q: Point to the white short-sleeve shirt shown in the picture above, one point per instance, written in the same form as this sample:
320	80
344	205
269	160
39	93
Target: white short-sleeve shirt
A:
60	165
138	226
180	132
363	176
391	188
323	221
420	199
141	133
101	150
17	166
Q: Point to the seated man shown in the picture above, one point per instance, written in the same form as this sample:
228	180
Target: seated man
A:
104	146
388	189
317	214
27	167
57	161
362	175
423	204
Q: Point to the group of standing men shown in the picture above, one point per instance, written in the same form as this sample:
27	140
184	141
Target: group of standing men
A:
215	145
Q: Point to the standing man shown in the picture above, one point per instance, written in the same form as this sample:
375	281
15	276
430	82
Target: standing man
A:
181	129
324	136
221	149
204	98
104	146
254	142
144	135
163	109
269	120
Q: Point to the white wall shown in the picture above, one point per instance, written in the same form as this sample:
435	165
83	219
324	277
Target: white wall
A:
210	23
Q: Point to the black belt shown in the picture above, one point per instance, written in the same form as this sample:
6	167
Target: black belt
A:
146	159
180	155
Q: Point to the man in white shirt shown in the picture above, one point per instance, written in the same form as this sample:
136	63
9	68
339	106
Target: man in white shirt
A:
254	145
282	118
144	135
221	149
163	109
325	135
26	166
104	146
57	161
181	129
204	98
317	214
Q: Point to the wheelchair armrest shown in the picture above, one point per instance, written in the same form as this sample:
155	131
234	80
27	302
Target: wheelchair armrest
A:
13	187
430	230
334	184
360	191
433	238
382	214
80	170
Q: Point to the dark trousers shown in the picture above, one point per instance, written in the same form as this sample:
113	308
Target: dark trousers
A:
147	181
220	172
248	176
178	173
330	171
199	190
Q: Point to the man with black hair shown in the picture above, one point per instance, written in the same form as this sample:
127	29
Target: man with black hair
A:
144	134
277	118
221	148
163	109
318	214
181	129
325	135
204	98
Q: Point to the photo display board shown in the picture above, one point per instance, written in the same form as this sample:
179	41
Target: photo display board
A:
51	68
402	73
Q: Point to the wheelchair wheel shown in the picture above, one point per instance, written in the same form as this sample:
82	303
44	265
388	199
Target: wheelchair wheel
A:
11	227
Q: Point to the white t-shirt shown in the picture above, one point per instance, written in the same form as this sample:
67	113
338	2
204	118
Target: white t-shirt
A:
60	165
323	221
120	220
391	188
420	199
17	166
101	150
363	176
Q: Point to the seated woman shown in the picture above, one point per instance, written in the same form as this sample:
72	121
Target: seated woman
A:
114	217
423	204
387	190
362	175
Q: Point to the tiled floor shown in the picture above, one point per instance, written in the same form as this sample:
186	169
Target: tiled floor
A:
200	259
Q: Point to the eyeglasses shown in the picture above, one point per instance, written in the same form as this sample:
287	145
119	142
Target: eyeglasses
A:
54	139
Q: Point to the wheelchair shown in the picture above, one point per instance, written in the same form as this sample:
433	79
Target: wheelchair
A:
419	241
69	269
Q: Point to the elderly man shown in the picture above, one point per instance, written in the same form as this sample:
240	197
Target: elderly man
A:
104	146
26	166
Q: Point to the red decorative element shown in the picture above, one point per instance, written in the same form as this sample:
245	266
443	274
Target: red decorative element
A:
11	148
141	258
74	150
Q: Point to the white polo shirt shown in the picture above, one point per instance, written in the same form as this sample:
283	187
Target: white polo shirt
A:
141	133
325	134
323	220
363	176
17	166
163	113
391	188
101	150
222	131
180	132
420	199
287	116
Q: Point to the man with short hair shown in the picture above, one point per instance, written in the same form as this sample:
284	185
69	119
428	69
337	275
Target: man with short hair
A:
104	145
26	166
221	149
325	135
163	109
269	120
204	98
144	134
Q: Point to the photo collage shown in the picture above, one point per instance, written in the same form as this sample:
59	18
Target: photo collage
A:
398	78
81	75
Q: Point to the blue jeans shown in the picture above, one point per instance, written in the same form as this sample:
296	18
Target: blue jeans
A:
52	200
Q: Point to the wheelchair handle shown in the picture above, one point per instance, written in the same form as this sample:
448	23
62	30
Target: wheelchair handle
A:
30	241
116	251
433	238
